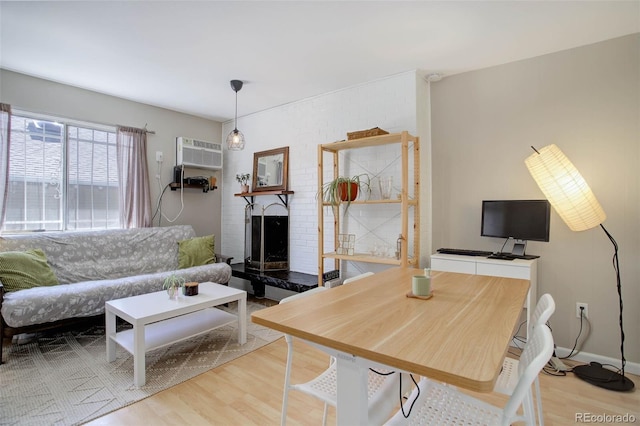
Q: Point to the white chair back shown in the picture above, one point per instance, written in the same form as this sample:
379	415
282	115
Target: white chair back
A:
357	277
303	294
534	357
543	311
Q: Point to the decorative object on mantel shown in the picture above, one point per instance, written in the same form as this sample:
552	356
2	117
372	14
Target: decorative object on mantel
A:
376	131
235	140
243	179
346	244
344	189
172	284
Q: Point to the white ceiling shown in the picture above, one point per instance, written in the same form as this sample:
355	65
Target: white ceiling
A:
181	55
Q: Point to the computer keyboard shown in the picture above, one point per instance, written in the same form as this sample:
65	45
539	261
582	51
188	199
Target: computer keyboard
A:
511	256
502	256
464	252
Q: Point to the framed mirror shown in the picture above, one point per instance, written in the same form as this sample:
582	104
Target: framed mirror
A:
271	170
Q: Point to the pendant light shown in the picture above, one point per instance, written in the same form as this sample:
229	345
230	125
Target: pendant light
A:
235	140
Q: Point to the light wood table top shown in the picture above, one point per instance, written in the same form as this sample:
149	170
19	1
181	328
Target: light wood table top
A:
459	336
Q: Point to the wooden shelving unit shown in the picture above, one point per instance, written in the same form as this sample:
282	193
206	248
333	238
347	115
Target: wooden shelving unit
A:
404	201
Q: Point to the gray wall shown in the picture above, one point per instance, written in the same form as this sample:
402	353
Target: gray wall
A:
201	210
586	101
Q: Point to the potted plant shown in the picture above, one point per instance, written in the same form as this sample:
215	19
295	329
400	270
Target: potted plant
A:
172	284
243	179
344	189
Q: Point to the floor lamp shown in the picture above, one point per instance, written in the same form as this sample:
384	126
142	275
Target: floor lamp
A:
574	201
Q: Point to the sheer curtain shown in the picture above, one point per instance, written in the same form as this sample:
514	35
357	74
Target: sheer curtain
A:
133	178
5	132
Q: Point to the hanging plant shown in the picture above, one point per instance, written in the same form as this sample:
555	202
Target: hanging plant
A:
344	189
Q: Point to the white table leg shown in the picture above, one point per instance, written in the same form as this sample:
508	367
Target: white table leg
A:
242	320
352	402
528	312
110	328
139	378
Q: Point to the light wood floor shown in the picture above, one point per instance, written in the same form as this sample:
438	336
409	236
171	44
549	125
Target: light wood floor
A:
248	391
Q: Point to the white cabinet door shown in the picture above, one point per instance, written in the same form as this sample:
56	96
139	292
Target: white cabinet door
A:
453	265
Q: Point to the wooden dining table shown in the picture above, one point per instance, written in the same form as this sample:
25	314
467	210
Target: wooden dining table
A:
459	336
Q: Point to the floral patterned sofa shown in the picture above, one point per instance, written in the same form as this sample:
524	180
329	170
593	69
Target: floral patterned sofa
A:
93	267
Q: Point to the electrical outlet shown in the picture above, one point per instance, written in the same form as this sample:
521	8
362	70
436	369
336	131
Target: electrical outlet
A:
159	156
582	305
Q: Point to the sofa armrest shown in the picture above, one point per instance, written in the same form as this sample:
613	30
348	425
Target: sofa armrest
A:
221	258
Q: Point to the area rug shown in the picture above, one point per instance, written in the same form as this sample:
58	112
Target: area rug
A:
64	378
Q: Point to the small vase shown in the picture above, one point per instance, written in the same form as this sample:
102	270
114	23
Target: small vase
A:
173	292
244	188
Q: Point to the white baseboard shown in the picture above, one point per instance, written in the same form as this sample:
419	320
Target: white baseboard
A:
630	367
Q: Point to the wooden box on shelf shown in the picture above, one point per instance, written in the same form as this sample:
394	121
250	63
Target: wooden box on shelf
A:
376	131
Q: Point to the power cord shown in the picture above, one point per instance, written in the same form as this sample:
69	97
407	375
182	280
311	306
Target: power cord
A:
575	344
159	205
555	367
181	197
406	415
518	339
401	396
505	243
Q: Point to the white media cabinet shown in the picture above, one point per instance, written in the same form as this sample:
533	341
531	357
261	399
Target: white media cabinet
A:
479	265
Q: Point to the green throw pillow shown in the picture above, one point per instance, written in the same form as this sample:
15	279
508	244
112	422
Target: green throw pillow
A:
20	270
196	251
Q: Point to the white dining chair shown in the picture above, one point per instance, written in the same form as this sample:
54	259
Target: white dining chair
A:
382	389
357	277
508	378
433	403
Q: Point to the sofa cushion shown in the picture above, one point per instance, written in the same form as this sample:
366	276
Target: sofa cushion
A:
20	270
196	252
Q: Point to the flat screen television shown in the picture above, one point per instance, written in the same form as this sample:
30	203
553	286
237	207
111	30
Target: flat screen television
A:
518	219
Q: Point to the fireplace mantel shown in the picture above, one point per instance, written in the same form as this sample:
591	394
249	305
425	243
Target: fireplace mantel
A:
251	195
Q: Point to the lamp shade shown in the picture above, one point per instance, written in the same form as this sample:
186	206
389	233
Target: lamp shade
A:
235	140
565	188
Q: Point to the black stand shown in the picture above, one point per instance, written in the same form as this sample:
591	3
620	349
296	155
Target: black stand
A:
597	375
594	373
519	247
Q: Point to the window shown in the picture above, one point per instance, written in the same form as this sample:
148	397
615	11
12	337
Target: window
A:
62	175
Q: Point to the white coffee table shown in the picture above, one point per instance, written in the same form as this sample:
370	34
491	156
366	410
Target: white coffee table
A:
158	321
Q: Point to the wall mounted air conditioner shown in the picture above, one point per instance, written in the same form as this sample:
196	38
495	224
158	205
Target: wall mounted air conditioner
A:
199	154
